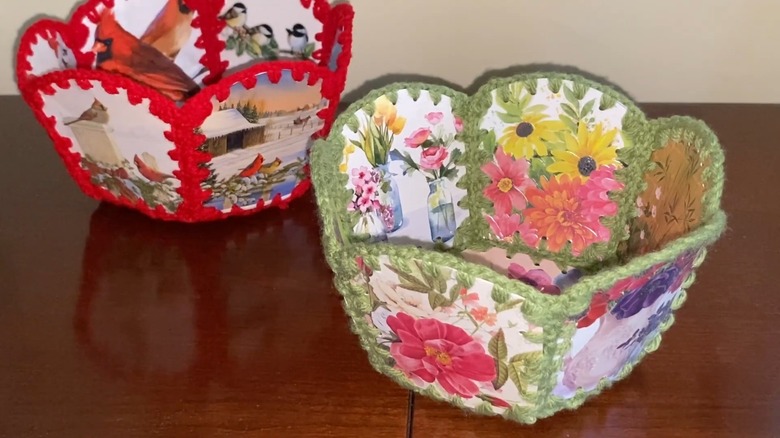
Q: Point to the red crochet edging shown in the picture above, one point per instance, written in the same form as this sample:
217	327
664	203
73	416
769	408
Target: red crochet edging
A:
182	121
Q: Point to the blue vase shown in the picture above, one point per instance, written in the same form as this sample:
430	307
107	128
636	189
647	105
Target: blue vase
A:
441	211
391	198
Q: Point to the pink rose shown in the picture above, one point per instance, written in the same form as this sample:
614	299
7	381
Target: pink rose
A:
434	118
433	158
435	351
458	124
417	138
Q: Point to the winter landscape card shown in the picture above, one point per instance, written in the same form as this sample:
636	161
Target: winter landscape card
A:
268	30
259	139
162	25
122	146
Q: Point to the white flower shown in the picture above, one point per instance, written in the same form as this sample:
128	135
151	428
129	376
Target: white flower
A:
398	299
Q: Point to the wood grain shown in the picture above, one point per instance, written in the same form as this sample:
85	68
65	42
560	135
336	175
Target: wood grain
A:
112	324
115	325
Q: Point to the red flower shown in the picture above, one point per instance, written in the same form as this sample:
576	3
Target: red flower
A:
436	351
417	138
597	309
509	177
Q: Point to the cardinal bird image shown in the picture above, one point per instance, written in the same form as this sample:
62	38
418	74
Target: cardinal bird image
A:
270	167
148	168
171	28
253	167
97	113
118	51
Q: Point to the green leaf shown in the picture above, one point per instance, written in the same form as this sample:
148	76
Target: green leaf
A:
436	299
587	108
570	124
455	292
489	141
508	305
570	111
509	118
502	374
408	278
414	287
309	50
538	167
497	346
569	93
523	368
535	109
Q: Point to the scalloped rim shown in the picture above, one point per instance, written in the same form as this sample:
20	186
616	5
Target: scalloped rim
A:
548	311
338	21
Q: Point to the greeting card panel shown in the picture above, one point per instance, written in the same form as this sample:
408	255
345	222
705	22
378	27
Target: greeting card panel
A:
136	35
258	140
122	146
403	164
263	30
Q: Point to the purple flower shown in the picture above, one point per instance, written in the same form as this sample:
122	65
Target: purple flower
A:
655	321
631	303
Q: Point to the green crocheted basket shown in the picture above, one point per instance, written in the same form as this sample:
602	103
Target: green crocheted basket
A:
516	251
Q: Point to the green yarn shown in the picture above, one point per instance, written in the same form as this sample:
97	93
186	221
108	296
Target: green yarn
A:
552	313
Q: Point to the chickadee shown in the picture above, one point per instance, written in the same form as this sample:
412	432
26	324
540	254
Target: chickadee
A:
262	34
298	39
235	17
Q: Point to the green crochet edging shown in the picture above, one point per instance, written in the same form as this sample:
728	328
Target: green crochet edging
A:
549	312
474	231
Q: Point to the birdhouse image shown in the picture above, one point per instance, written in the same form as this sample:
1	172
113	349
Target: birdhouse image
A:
188	110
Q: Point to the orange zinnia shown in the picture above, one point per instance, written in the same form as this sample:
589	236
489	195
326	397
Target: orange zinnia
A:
558	214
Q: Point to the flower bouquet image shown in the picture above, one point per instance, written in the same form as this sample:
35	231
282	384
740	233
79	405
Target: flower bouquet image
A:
517	251
188	110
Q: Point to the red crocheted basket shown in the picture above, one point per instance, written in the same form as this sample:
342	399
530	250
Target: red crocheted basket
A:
188	110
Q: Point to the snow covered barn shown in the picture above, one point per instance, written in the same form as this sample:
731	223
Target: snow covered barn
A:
229	130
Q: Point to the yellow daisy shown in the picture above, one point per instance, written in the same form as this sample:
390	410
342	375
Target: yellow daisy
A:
531	134
585	153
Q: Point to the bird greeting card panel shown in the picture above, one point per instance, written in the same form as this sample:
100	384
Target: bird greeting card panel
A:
139	34
122	147
258	140
257	30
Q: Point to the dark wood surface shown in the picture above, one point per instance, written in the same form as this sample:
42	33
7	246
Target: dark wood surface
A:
115	325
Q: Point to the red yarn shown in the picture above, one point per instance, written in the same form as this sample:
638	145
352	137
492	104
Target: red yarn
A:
337	28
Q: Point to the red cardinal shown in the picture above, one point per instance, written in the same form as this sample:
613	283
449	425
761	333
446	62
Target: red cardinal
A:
118	51
149	170
253	167
171	29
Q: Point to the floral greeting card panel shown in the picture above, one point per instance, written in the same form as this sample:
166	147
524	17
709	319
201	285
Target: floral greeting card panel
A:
554	158
403	168
452	337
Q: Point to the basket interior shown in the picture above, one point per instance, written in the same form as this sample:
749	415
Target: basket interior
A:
543	178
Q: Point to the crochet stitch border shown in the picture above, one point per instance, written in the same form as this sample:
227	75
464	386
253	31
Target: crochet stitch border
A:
548	311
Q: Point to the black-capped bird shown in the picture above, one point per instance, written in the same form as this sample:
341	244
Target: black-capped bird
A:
235	17
171	28
298	38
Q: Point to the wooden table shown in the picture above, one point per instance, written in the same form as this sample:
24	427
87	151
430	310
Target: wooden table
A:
114	325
